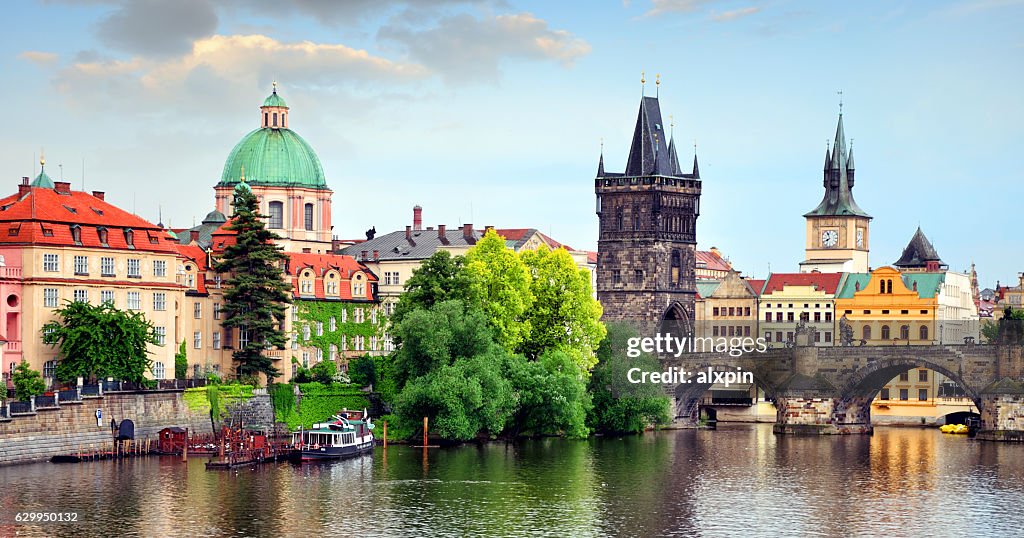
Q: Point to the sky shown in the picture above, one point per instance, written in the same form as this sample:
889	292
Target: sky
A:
493	112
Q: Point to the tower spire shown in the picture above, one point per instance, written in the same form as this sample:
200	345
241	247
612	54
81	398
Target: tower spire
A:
600	161
696	171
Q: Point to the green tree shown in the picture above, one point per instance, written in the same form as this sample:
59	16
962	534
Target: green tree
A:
27	382
324	372
363	371
97	341
438	337
441	277
256	292
550	396
181	362
564	315
620	406
500	286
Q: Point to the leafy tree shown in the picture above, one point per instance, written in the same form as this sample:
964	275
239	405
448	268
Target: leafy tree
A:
619	406
500	286
461	399
256	293
438	337
564	315
441	277
363	371
551	396
324	372
27	382
97	341
181	362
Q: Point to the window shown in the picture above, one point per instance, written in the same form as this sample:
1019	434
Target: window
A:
618	219
714	311
161	335
216	339
922	375
76	232
904	394
358	315
885	312
817	336
884	395
243	338
305	332
159	268
885	332
305	359
778	316
746	311
922	395
295	342
159	301
866	332
134	268
82	265
638	276
102	232
677	265
391	278
319	328
360	343
106	266
134	301
107	296
767	336
81	296
767	316
216	310
51	263
197	310
306	287
50	297
295	313
389	344
334	352
358	290
275	119
817	316
344	342
828	316
309	216
333	324
924	332
904	332
158	370
276	215
129	237
789	316
732	311
616	276
905	376
778	336
828	337
924	311
197	340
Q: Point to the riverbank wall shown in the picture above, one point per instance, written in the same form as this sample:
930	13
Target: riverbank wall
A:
74	426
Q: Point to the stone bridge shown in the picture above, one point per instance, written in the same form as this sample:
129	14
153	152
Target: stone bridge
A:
828	390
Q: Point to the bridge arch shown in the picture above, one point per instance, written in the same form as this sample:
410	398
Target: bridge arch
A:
687	396
867	381
676	320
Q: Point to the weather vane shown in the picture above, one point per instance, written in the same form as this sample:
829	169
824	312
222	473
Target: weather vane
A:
840	93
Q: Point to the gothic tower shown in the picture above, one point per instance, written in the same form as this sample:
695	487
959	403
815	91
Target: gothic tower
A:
837	230
648	231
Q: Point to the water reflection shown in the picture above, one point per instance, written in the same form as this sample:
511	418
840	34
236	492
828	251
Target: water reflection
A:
738	480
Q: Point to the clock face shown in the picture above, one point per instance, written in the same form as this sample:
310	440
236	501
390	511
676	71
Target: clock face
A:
860	237
829	238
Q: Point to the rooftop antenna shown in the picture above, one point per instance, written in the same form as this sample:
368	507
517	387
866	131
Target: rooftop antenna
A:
61	166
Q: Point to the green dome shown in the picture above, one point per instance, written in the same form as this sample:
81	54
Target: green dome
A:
274	100
274	157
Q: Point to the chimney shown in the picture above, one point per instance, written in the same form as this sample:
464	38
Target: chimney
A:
98	194
408	233
193	236
467	231
62	187
440	231
24	180
417	218
362	255
23	189
376	255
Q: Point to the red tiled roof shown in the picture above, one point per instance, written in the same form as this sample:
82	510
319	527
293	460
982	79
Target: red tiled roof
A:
320	264
828	282
712	261
43	216
591	256
198	256
519	234
756	285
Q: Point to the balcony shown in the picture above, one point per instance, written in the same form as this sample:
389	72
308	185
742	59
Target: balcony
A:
13	346
10	271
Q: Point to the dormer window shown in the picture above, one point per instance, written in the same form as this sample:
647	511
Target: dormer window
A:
76	234
129	237
103	235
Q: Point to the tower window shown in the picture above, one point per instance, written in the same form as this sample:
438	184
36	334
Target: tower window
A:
309	216
266	119
275	119
276	215
866	332
676	267
618	219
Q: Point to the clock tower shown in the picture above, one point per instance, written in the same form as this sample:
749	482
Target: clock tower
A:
837	230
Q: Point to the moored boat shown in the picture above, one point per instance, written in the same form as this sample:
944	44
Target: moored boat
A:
347	434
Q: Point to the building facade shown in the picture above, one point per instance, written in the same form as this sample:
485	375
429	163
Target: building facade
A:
726	307
789	299
647	235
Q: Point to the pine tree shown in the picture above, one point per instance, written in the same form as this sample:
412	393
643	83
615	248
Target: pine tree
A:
256	294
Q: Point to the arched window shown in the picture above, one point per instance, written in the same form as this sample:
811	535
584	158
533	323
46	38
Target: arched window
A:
276	215
885	332
76	234
904	332
866	332
676	267
129	237
266	119
618	219
881	287
924	332
103	235
636	217
275	119
890	287
309	216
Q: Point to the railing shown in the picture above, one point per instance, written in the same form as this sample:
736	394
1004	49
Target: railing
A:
90	390
46	401
727	401
4	411
13	346
10	271
69	395
161	384
16	408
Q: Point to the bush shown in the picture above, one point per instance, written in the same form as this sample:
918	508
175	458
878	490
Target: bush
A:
181	362
324	372
27	382
363	371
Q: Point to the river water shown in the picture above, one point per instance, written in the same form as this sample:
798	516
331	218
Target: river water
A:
738	480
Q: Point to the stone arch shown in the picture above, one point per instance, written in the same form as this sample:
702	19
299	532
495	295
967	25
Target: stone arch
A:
675	320
685	395
867	381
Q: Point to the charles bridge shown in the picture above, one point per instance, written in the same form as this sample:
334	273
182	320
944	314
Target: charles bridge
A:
828	390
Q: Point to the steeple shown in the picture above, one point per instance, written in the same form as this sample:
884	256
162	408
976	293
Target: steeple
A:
696	172
849	165
600	165
920	254
42	180
673	158
838	181
648	151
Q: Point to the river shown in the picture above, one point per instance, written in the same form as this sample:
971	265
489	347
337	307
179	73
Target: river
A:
738	480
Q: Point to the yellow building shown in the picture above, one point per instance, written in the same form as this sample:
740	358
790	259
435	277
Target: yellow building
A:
726	307
788	299
886	307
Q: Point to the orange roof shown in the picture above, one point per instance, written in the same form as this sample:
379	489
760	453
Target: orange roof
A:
320	264
712	261
756	285
519	234
198	256
591	256
42	216
828	282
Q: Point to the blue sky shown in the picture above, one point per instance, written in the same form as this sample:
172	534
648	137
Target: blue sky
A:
493	112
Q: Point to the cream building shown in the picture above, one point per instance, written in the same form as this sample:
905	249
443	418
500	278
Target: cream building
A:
789	298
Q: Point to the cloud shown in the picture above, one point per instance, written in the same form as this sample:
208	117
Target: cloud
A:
466	47
345	12
39	57
157	27
659	7
734	14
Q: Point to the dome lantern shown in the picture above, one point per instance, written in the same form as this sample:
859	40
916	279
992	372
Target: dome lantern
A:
274	112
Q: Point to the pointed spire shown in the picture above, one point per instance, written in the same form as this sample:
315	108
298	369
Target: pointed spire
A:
849	158
673	158
42	180
696	171
600	161
839	146
838	179
828	156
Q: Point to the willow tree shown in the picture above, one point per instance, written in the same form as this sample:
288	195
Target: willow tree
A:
256	292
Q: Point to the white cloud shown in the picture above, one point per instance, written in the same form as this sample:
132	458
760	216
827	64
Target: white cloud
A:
659	7
734	14
39	57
